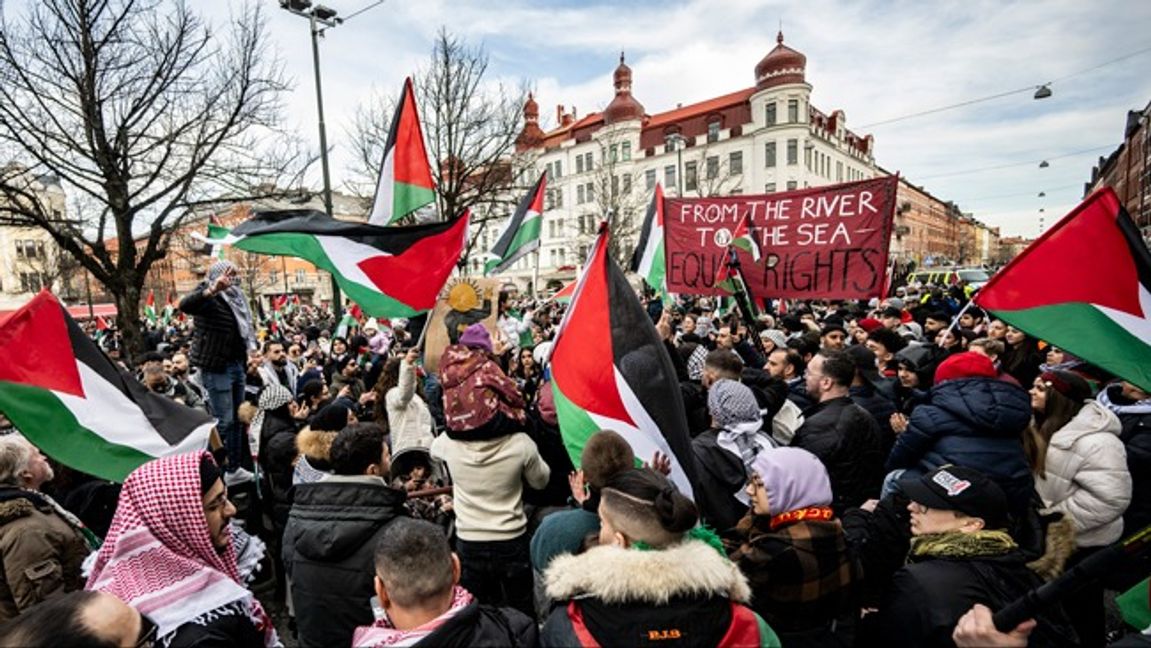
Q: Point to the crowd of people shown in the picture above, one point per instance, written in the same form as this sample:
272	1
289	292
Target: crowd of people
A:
865	474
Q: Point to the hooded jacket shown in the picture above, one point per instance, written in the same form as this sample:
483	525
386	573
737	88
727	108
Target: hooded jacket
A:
476	389
1086	475
329	546
684	595
1135	419
973	422
41	552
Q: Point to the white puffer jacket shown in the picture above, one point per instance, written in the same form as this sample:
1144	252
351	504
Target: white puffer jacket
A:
409	420
1087	477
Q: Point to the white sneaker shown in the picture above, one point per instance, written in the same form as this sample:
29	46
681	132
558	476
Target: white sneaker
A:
238	476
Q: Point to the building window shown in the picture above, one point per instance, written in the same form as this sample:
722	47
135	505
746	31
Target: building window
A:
649	179
559	164
583	252
563	256
791	185
770	113
626	182
588	162
839	172
713	167
735	162
559	197
552	254
669	176
579	163
769	187
591	192
793	110
690	177
792	151
713	131
273	277
769	153
560	227
614	155
579	193
625	153
614	186
300	278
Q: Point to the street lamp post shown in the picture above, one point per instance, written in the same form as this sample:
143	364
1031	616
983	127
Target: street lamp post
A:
320	18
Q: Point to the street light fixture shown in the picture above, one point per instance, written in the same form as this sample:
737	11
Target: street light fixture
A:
1043	91
320	15
1044	164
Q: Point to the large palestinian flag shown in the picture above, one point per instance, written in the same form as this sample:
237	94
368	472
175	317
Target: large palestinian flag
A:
1084	286
73	403
610	371
522	233
405	182
648	259
388	271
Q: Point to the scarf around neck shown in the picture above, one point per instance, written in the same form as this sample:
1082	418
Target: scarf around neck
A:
980	544
158	556
382	634
237	303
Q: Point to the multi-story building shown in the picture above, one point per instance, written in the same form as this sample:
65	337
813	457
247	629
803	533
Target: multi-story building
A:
1128	169
29	258
761	139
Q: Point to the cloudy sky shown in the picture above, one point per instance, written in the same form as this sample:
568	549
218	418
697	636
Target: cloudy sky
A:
876	60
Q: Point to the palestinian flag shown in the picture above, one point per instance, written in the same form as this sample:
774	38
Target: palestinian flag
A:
1135	605
150	307
744	236
628	384
564	295
1084	286
648	259
522	233
388	271
348	323
405	182
216	231
73	403
169	309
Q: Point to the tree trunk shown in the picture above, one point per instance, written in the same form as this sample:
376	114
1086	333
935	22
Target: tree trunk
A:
127	300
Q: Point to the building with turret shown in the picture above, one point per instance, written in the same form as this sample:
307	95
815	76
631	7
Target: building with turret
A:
764	138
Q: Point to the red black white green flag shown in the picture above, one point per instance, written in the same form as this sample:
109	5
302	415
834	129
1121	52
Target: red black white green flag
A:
388	271
405	183
628	384
150	306
73	403
521	235
744	238
1084	286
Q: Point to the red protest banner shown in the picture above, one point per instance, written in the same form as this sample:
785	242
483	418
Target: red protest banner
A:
822	243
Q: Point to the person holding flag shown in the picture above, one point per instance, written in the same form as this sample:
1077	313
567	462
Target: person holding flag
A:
222	336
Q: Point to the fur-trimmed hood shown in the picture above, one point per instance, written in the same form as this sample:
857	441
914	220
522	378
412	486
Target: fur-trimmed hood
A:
16	508
316	444
617	575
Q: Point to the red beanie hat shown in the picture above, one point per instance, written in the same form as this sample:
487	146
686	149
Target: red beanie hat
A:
869	324
968	364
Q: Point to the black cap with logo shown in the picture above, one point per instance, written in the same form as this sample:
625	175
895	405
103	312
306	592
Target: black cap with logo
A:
956	488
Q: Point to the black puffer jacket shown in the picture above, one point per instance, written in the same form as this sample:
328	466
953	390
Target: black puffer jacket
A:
972	422
216	339
329	544
847	440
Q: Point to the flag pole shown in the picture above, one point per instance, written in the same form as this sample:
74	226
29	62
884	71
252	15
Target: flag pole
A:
536	273
959	315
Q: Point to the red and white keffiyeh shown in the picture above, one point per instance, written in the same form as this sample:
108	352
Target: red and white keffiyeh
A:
158	556
382	634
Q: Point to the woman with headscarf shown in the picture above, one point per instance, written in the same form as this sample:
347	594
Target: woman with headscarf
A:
726	452
222	336
793	550
170	555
